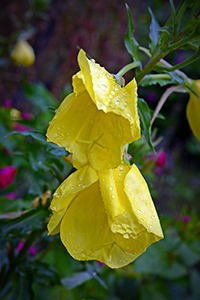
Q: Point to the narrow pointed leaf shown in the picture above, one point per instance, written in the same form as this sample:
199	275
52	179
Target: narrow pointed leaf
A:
145	121
153	33
131	44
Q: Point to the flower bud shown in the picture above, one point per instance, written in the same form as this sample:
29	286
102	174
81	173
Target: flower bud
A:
23	54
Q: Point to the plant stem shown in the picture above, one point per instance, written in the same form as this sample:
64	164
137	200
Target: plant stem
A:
150	66
128	68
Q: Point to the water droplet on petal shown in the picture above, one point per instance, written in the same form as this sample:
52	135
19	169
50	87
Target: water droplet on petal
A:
113	196
92	60
126	236
115	89
128	115
62	134
58	128
103	87
139	211
151	226
117	102
121	168
152	216
136	203
110	188
55	134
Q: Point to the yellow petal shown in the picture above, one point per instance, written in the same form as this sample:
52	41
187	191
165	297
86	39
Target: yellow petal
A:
108	95
141	202
193	111
86	234
66	193
126	196
93	136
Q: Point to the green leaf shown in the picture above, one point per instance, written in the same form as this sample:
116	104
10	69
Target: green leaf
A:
39	96
50	147
131	44
164	38
26	222
192	90
155	79
173	15
145	121
76	280
153	32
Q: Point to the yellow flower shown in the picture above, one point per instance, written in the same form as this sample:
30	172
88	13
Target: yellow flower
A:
193	110
97	119
23	54
105	215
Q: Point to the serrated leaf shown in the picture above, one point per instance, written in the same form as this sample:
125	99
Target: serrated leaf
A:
153	32
145	121
130	42
152	80
27	222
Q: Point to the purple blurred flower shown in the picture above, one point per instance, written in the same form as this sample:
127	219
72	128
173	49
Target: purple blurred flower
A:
7	103
161	160
11	195
26	116
21	127
186	219
31	249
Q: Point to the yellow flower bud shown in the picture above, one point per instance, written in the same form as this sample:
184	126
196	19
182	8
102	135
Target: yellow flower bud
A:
23	54
193	111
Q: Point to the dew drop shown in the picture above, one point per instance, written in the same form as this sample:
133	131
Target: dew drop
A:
110	96
80	184
55	194
107	75
103	87
151	226
126	236
152	216
110	188
117	102
58	128
62	134
139	211
110	258
115	89
84	186
121	168
136	203
55	134
112	92
113	196
54	208
128	115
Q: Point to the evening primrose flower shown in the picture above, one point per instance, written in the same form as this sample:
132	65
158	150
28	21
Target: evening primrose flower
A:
97	119
105	215
193	110
23	54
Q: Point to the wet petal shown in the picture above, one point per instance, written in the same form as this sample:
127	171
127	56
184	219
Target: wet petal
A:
94	137
193	111
142	205
108	95
123	202
86	234
67	192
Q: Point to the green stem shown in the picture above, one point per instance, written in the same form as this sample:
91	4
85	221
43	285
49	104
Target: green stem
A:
181	42
184	63
150	66
128	68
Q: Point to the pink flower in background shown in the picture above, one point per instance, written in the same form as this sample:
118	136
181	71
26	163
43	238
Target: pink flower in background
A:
21	127
26	116
31	249
7	103
7	175
186	219
161	160
11	195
